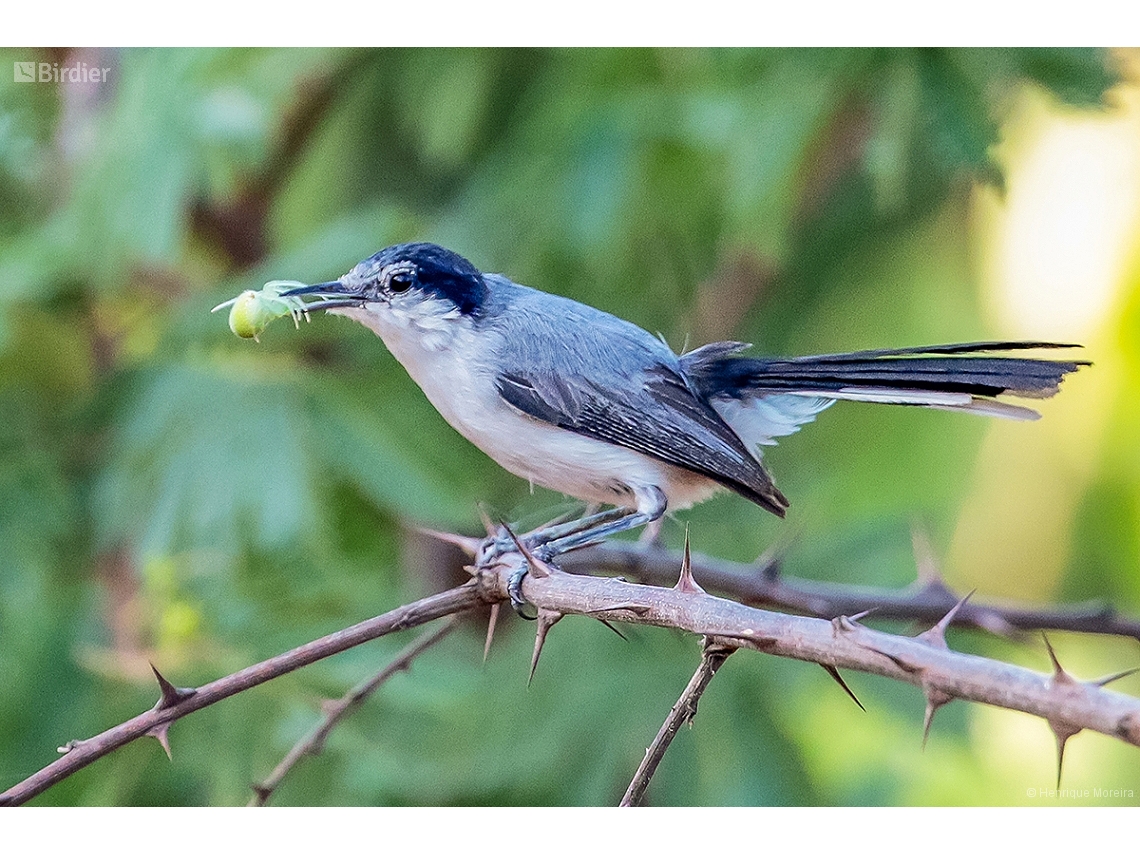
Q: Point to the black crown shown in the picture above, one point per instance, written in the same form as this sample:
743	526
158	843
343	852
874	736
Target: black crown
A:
440	272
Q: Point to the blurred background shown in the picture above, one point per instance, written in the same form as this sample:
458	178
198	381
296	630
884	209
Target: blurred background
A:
171	494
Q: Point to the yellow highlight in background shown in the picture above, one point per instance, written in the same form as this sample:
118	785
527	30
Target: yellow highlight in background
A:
1056	251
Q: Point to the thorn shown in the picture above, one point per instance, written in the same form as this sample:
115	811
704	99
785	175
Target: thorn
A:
1104	681
546	619
935	700
1061	740
538	569
70	746
1060	675
838	678
492	621
858	617
842	623
488	525
469	545
936	635
172	695
160	732
686	584
1062	731
613	629
1057	669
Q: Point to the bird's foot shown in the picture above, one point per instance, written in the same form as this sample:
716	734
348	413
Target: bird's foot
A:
514	591
539	547
535	548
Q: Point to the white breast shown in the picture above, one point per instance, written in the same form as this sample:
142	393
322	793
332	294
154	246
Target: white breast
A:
463	390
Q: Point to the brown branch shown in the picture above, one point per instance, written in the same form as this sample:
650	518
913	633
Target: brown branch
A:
840	643
712	657
338	710
176	703
1067	704
761	584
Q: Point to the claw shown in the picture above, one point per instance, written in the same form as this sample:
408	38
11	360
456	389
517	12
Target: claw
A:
514	591
534	564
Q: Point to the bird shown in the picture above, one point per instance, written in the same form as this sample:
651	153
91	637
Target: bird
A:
579	401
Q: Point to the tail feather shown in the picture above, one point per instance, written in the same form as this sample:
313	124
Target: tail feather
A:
968	347
875	374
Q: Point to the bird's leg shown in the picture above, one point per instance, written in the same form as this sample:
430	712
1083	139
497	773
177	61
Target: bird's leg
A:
563	538
602	528
543	536
502	543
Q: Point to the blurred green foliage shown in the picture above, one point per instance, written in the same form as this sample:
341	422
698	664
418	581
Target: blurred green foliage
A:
171	494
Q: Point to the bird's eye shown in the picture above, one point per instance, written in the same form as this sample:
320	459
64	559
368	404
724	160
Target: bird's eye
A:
400	282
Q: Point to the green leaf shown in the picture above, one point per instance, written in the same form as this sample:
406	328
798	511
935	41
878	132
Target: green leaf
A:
208	456
1079	76
958	121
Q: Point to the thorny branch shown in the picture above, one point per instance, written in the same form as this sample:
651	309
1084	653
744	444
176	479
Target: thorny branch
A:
712	657
762	584
841	643
176	703
1065	703
336	711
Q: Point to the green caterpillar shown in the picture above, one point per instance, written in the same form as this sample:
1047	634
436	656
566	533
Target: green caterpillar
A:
252	311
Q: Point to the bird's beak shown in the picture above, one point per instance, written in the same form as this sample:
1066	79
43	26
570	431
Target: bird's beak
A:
332	295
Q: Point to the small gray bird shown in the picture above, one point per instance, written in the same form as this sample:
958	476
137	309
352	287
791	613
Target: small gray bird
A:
579	401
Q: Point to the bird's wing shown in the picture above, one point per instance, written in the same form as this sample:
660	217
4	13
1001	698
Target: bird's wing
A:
622	389
656	415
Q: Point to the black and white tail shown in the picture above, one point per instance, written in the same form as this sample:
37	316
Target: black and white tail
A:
766	398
